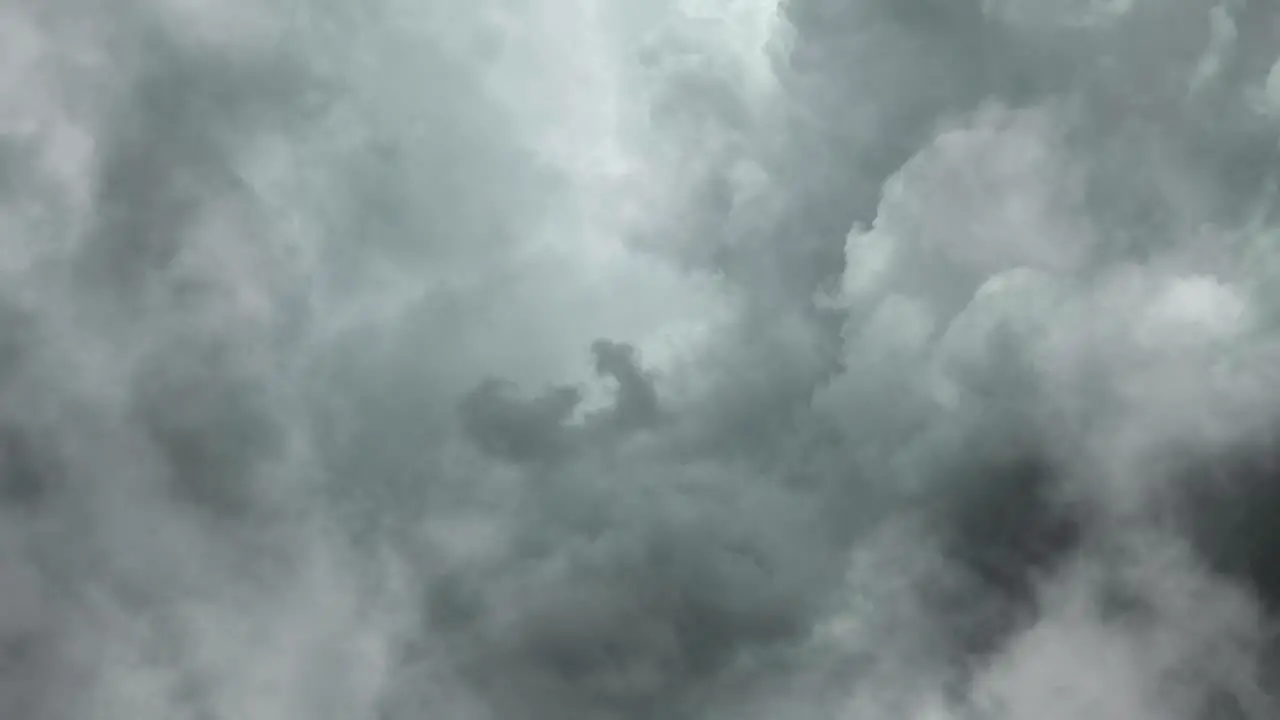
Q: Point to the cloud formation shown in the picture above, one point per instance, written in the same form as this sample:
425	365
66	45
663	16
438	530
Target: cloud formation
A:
519	358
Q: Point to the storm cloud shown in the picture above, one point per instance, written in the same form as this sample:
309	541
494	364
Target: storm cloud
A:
621	359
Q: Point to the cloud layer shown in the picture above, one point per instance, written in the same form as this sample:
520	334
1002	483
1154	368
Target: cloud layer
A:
608	360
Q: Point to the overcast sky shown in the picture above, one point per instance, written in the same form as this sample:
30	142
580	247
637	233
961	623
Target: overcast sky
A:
639	359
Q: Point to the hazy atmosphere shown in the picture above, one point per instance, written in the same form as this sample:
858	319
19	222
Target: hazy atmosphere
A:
639	359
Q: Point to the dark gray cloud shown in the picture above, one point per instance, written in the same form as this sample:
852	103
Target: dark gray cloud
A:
638	359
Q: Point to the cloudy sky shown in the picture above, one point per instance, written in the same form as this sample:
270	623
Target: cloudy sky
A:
639	359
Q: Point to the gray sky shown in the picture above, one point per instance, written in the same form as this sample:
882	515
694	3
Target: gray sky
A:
634	359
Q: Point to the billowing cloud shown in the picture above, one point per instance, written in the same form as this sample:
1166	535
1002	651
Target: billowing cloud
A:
541	359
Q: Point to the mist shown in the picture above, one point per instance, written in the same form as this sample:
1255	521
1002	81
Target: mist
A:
632	359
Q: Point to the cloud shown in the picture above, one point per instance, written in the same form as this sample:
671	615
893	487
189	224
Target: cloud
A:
628	360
